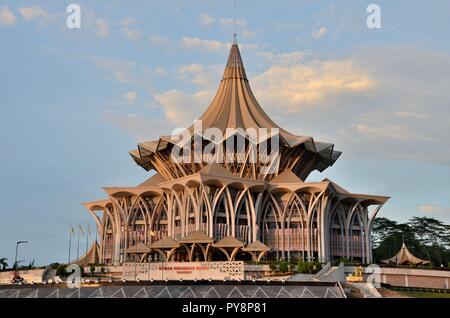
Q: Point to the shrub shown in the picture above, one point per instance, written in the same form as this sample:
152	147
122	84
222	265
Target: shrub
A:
102	269
272	266
302	267
317	266
284	267
344	260
92	269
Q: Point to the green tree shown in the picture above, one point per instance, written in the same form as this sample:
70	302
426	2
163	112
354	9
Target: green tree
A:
382	228
429	231
61	270
31	265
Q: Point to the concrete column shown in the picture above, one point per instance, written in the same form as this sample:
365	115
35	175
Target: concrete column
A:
184	215
325	231
118	236
169	215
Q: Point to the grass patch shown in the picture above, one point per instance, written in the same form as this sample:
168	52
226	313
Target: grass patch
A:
425	295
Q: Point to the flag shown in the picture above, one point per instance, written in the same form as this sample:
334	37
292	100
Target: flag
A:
81	230
72	230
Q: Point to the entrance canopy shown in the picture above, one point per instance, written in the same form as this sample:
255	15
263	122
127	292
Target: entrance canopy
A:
256	246
229	241
166	243
197	237
404	257
257	249
139	248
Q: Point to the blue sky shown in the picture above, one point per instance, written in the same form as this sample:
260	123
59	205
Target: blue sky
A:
73	102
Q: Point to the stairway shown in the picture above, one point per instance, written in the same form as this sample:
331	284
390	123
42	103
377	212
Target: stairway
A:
49	275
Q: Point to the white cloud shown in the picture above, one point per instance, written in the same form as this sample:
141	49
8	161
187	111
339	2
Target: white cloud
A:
411	115
240	25
102	27
183	108
127	22
321	32
391	131
206	19
201	75
282	59
125	72
161	71
141	128
160	40
131	34
128	28
120	71
433	209
33	12
130	97
231	22
7	17
297	87
210	45
405	115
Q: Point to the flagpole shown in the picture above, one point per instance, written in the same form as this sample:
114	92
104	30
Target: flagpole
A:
87	239
70	244
78	244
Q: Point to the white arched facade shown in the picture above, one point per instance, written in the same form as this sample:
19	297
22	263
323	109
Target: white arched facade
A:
297	222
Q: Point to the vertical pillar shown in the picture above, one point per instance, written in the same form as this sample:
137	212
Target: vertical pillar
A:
324	255
184	215
169	215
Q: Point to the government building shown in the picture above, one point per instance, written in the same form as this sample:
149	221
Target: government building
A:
251	201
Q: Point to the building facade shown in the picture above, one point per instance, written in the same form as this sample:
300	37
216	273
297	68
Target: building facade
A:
235	205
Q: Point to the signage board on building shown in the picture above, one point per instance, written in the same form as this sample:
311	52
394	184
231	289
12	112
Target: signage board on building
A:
183	270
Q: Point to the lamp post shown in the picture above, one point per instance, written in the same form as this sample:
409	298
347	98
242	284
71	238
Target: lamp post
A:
17	248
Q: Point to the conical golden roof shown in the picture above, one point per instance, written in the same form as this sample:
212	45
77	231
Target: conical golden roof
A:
235	106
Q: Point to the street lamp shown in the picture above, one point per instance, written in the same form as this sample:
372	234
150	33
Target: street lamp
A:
17	248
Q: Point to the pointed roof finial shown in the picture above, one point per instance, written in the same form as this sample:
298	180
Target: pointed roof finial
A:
235	23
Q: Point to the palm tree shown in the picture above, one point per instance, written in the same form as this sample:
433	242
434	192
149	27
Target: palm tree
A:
3	263
31	265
